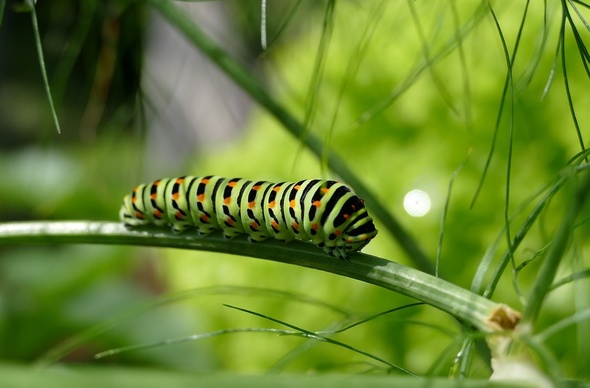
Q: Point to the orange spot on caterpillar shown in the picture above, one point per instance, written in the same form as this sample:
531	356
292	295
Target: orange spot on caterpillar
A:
256	188
175	196
232	184
317	203
325	190
229	221
153	195
276	188
179	216
179	180
204	218
346	216
271	204
201	197
295	226
139	215
254	225
204	181
252	204
292	204
274	224
157	213
337	232
315	226
227	200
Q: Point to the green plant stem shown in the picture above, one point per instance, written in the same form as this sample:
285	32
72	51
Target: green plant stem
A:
243	77
2	8
478	311
39	48
559	244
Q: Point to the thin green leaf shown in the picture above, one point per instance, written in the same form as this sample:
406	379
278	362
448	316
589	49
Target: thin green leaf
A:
193	337
436	79
550	190
443	218
283	25
2	8
39	48
63	349
310	334
573	319
570	278
464	68
352	69
423	66
584	54
557	249
508	86
317	76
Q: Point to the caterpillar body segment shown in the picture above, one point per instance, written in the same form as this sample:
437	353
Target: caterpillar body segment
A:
325	212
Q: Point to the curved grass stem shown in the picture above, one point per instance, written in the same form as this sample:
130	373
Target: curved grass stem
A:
479	312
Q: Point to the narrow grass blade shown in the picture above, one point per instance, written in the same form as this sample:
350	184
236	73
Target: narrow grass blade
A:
556	251
42	65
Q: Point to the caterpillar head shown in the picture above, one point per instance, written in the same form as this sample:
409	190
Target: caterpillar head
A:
355	229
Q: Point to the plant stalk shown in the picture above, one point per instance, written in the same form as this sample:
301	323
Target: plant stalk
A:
481	313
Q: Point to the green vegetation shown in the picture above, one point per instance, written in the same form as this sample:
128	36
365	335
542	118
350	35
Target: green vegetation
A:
481	105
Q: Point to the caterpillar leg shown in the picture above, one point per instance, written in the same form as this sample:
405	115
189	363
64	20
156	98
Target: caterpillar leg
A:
338	252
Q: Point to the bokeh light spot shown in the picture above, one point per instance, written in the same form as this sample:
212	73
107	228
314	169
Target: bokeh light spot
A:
417	203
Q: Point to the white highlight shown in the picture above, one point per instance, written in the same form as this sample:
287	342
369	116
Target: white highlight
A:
417	203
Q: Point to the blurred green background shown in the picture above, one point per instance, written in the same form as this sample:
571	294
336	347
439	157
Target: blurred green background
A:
407	93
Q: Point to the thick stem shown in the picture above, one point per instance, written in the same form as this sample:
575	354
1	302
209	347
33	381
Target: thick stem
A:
478	311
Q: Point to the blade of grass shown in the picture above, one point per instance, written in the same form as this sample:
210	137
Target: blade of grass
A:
352	69
310	334
2	8
508	86
570	278
566	82
284	24
546	275
316	80
551	190
71	344
415	74
464	68
424	42
39	48
555	328
255	89
193	337
518	238
347	324
443	218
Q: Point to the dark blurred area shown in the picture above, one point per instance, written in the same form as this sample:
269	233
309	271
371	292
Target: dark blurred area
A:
93	54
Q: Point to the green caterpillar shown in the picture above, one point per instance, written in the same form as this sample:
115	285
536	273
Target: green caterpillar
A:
325	212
